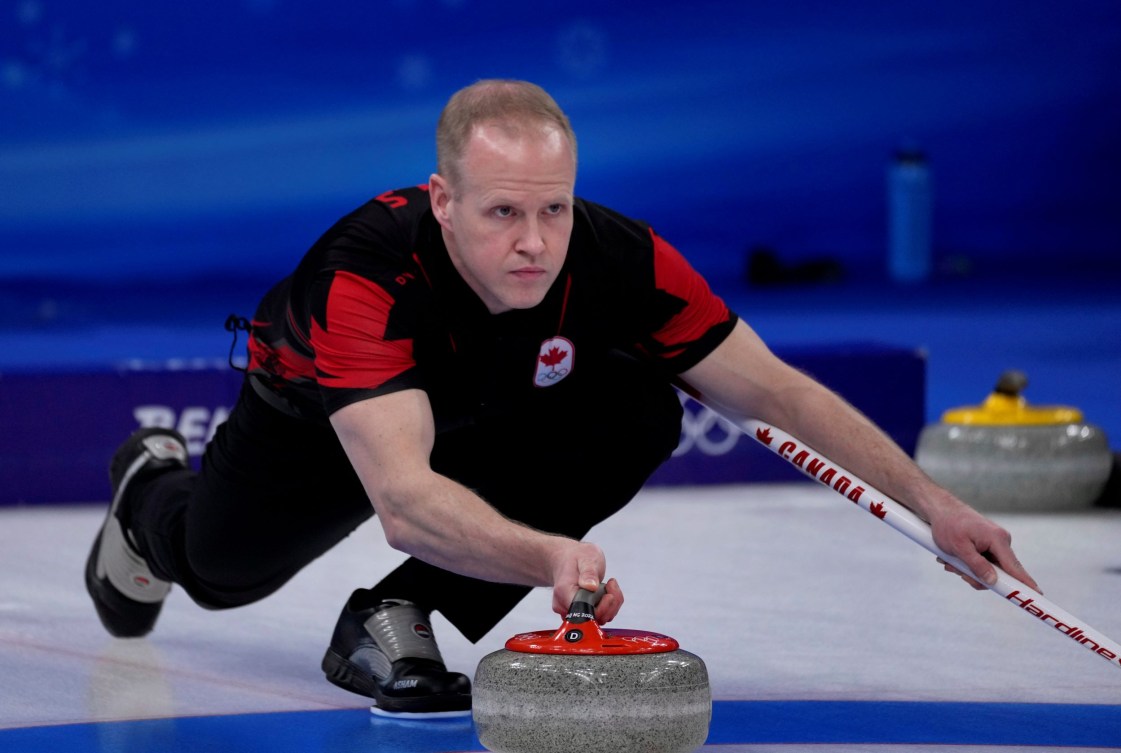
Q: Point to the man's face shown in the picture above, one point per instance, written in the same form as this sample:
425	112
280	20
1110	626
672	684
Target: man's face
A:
507	220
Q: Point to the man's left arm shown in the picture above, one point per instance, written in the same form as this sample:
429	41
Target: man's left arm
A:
742	378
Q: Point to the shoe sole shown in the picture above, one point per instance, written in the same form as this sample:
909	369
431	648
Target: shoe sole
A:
425	715
347	676
121	616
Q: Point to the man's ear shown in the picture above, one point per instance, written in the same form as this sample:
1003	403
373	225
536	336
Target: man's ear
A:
439	194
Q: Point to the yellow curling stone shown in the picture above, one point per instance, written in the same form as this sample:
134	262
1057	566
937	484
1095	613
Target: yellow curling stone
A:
1007	455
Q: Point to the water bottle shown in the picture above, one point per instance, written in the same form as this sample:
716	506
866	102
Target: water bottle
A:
910	198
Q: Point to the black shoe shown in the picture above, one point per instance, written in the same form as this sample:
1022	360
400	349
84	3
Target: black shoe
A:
126	595
388	653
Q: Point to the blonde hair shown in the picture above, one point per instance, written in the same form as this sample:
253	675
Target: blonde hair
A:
508	103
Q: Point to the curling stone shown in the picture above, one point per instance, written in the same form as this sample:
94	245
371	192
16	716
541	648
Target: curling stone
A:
1006	455
586	688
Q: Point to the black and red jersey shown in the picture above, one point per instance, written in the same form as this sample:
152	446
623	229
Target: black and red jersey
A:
376	306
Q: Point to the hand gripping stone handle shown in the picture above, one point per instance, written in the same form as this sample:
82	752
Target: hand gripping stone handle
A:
822	469
583	606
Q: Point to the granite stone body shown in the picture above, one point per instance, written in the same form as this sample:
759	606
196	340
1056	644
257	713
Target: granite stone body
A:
629	703
1018	468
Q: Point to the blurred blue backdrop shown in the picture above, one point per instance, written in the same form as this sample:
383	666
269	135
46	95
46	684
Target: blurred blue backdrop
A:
217	139
162	163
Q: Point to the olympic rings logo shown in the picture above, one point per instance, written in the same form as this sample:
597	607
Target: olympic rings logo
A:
704	429
548	376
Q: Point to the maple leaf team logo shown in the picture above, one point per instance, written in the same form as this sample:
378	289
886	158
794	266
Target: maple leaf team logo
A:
763	435
554	361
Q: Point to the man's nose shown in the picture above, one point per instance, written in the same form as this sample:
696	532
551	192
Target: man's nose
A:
531	241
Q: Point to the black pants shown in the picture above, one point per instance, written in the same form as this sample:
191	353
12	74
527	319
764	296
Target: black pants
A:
275	492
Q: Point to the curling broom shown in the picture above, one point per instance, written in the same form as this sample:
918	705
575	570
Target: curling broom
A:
1029	601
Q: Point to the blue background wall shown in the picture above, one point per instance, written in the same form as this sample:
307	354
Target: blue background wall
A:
217	139
161	164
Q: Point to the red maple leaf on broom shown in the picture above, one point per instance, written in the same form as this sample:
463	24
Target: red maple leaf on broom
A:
763	435
553	357
877	509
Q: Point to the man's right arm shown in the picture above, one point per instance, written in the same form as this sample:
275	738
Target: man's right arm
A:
388	440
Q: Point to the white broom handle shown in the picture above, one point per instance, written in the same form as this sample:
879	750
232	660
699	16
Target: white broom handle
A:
825	471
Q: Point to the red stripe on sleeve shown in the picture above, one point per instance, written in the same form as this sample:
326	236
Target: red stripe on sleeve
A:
703	309
351	350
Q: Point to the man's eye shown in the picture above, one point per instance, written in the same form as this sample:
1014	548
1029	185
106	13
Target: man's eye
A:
504	212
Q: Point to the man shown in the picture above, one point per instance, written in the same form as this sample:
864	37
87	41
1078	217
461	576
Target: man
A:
490	362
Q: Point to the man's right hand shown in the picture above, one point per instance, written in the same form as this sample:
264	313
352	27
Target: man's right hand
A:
583	565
